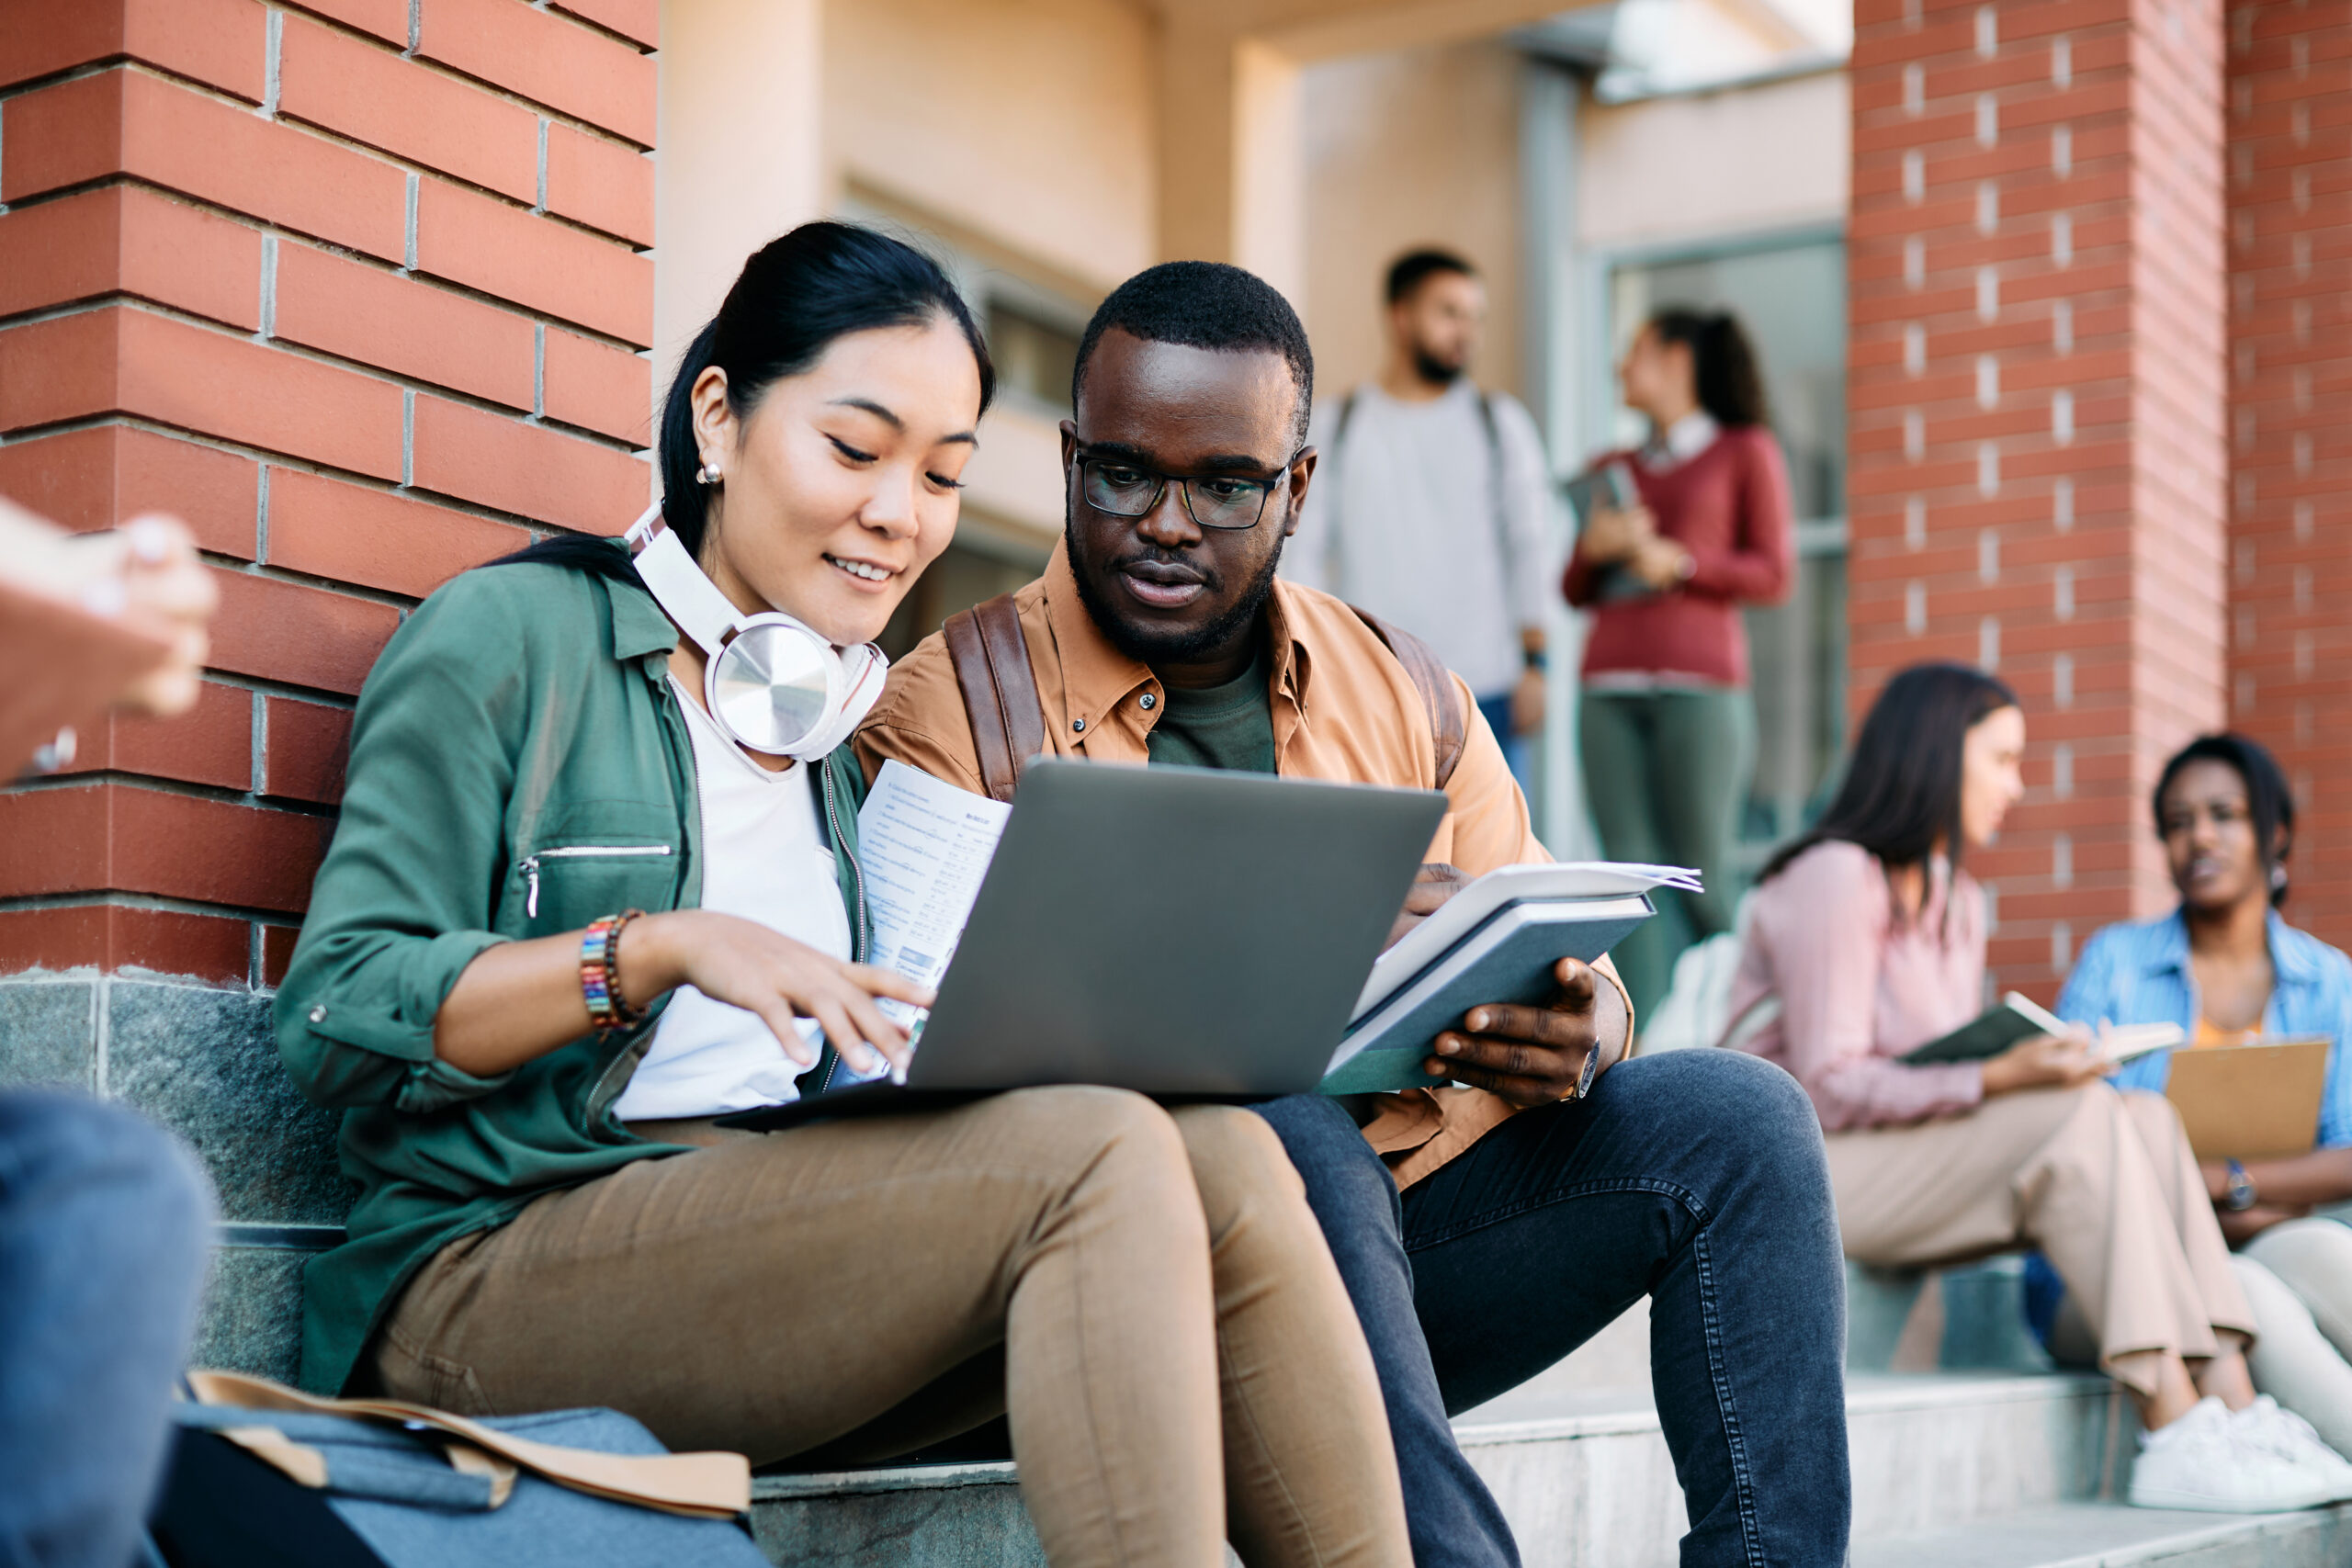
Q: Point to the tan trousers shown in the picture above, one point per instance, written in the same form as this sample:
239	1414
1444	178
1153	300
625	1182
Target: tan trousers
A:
1144	1293
2102	1182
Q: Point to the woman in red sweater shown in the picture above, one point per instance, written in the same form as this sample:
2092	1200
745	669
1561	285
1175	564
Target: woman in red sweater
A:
1667	726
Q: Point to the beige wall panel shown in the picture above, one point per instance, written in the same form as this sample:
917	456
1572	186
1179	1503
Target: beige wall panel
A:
1029	121
741	155
1410	148
1016	474
1714	162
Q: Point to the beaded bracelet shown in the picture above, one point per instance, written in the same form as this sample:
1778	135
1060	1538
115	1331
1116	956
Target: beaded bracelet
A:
600	973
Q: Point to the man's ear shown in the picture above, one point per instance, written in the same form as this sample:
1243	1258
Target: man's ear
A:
1302	472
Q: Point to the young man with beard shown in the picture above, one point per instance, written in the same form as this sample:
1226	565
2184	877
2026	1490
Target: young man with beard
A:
1485	1229
1432	504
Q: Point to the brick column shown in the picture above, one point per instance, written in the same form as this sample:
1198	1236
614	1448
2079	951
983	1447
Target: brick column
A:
2291	415
2037	454
358	289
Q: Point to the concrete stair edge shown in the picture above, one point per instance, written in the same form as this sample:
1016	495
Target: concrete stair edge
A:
1584	1487
2114	1535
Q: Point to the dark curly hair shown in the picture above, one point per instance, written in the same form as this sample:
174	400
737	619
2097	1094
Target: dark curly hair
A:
1204	305
2268	800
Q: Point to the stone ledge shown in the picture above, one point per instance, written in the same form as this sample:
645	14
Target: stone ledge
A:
1586	1483
2111	1535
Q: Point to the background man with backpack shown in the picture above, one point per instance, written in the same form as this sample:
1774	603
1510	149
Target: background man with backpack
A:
1430	506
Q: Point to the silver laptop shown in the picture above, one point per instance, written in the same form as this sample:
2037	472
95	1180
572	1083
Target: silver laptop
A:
1186	932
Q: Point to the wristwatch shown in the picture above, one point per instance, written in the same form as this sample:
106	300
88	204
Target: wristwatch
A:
1591	1070
2242	1195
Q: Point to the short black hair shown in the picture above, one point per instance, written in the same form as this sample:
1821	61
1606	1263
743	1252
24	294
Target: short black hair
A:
2268	800
1201	304
1408	271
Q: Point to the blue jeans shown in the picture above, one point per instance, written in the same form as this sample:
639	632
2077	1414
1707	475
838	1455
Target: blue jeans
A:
104	1227
1695	1178
1516	753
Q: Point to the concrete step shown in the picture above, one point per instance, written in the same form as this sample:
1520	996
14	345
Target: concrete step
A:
1583	1475
2110	1535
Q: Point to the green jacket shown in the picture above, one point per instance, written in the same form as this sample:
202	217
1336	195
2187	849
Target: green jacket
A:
519	766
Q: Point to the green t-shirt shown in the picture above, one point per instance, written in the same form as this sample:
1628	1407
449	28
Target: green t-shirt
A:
1229	727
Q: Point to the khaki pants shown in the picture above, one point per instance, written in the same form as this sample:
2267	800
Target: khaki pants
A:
2102	1182
1146	1295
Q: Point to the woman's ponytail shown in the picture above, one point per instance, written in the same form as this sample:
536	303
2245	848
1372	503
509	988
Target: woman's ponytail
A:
685	504
1726	377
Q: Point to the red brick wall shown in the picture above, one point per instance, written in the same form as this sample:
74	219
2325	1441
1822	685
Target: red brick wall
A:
2036	425
357	288
2290	121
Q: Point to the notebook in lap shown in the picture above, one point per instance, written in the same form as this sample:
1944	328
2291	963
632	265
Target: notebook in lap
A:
1185	933
2255	1101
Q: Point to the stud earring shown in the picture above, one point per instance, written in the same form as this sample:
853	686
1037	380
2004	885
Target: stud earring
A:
708	474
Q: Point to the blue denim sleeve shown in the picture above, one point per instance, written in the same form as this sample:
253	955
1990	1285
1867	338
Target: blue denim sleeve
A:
2336	1105
2092	993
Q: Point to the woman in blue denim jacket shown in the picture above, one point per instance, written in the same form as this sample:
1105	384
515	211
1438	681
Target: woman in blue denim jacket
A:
2226	967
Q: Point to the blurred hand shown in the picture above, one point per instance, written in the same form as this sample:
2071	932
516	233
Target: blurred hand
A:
144	576
1660	563
1614	533
1533	1055
1527	703
2045	1061
166	587
1433	885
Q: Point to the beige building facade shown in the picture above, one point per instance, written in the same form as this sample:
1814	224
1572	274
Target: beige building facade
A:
1048	149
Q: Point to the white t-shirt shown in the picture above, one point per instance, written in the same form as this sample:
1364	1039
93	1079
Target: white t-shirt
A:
1421	537
764	858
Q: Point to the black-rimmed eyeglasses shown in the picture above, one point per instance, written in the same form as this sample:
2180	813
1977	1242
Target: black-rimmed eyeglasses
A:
1119	487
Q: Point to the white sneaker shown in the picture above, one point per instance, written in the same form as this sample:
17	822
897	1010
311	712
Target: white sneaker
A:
2205	1461
2289	1435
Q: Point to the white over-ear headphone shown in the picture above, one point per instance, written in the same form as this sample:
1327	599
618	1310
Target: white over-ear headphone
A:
774	684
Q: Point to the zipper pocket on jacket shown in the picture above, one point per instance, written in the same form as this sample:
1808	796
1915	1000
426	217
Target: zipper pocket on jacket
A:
574	851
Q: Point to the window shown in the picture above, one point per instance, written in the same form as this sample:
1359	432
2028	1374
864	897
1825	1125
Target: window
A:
1034	357
1791	297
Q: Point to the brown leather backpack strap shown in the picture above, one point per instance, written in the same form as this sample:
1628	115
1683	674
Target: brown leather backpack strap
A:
992	659
706	1486
1449	725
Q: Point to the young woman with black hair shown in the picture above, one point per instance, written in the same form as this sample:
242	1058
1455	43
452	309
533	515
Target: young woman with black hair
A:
582	902
1870	935
1666	726
2226	966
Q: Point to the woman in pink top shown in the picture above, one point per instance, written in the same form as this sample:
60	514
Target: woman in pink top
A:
1869	937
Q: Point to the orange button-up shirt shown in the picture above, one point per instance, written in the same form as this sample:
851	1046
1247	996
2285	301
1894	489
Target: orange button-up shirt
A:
1344	710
